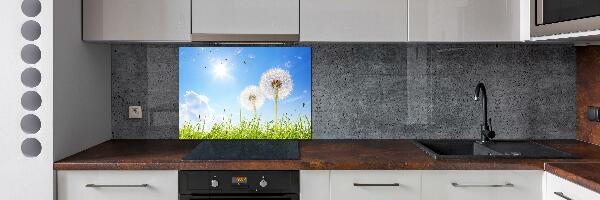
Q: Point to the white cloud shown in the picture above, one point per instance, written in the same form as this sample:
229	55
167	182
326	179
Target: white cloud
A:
293	99
193	108
288	64
299	57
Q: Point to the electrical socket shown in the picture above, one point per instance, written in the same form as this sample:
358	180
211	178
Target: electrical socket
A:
135	112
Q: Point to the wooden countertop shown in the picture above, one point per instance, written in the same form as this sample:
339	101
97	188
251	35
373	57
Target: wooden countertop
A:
314	154
584	174
331	155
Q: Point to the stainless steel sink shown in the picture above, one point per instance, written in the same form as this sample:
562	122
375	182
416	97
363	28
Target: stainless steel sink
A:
469	149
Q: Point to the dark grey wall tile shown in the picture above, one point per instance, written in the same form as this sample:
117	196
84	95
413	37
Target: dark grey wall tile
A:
145	75
384	90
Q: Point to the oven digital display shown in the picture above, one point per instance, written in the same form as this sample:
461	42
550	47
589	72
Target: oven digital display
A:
239	180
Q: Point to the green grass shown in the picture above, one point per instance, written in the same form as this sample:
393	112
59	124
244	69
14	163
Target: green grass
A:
285	128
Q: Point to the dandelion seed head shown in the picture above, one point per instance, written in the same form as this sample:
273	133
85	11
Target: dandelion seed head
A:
276	79
251	97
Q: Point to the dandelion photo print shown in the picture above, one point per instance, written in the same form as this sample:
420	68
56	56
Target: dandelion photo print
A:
244	93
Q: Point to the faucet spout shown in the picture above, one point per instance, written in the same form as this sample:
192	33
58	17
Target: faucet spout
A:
480	94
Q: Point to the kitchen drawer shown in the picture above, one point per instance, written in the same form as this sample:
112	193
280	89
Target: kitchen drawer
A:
396	185
478	185
556	186
162	185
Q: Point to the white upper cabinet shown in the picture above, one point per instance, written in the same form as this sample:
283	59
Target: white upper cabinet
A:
245	20
136	20
354	20
469	20
307	20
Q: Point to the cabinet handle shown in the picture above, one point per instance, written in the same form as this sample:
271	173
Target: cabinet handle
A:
493	185
376	184
562	195
115	186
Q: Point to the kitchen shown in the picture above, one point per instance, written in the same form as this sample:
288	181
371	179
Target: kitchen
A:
388	94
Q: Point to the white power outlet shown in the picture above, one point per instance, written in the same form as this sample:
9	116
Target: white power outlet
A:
135	112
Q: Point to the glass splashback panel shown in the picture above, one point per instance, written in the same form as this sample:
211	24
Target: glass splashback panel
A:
244	93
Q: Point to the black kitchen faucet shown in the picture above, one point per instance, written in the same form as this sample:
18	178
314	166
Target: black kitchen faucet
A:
487	134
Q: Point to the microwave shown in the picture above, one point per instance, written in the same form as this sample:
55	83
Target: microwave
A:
553	17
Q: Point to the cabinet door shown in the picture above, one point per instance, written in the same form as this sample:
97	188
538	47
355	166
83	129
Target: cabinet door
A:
237	20
136	20
478	185
468	20
354	20
117	185
560	189
375	185
314	184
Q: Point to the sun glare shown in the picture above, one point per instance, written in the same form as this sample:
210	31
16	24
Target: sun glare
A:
220	71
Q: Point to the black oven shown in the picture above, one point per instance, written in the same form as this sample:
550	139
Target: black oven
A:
234	185
555	17
240	197
554	11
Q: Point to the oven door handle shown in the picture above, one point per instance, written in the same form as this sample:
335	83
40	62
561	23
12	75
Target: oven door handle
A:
376	184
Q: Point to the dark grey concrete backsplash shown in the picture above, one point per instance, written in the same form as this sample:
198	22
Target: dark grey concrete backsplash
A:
381	91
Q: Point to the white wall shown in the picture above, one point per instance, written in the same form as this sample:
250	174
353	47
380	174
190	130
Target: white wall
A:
21	177
82	109
79	93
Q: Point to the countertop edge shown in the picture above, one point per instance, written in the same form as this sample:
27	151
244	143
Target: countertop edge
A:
576	178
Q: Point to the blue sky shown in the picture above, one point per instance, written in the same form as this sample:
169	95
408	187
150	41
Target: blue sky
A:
212	78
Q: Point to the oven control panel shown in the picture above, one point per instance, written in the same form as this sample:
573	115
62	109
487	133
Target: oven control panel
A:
263	182
239	182
227	182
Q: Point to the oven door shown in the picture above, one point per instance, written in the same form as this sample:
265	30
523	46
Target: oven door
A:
551	17
245	197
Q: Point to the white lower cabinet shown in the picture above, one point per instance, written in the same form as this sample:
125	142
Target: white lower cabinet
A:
341	185
560	189
375	185
421	185
482	185
117	185
314	184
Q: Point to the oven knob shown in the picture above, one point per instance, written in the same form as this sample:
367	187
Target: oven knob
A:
263	183
214	183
